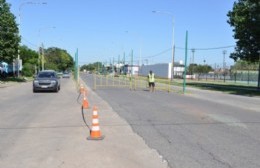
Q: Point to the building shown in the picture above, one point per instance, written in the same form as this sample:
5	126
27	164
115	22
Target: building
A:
163	70
131	69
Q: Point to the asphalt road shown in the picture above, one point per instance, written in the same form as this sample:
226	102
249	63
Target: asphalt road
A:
196	130
46	130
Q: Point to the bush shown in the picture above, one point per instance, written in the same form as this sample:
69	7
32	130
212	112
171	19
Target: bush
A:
28	70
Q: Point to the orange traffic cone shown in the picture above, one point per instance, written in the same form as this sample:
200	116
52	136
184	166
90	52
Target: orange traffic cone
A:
95	133
85	104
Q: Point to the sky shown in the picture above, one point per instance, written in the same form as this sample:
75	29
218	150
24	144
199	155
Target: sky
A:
109	30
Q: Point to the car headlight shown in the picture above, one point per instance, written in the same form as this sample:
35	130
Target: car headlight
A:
53	82
36	81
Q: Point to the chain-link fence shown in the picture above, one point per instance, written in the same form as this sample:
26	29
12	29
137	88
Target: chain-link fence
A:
228	75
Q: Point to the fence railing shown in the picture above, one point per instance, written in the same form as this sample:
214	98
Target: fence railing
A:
132	83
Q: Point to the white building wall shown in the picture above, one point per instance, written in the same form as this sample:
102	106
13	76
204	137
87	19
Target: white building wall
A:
163	70
132	70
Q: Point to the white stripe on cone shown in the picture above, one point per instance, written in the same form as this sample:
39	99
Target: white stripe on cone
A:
95	121
94	112
95	128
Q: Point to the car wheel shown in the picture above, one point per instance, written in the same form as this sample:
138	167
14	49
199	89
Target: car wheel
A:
34	90
56	89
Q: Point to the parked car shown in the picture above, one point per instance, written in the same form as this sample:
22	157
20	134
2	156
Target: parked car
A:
66	75
46	80
59	74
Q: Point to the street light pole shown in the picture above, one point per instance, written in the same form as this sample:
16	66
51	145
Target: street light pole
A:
19	25
140	44
28	3
173	44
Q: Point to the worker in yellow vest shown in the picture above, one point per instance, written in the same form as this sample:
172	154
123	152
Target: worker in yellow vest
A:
151	81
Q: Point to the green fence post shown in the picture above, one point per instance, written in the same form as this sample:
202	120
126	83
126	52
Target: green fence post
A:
185	66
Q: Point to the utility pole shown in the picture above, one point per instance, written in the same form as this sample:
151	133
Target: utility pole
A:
39	58
132	55
173	43
258	86
42	58
185	65
113	67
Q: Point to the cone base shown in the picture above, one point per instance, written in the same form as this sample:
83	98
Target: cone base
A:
97	138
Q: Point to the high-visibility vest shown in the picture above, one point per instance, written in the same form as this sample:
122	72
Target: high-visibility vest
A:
151	77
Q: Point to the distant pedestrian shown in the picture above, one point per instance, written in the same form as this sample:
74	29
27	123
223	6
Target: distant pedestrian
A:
151	81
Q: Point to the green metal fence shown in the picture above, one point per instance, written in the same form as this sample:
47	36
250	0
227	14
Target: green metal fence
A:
132	83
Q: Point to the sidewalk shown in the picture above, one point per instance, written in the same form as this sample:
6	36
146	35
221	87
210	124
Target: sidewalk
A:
6	84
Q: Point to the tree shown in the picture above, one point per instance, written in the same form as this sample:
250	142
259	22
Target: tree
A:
191	68
200	69
97	66
9	33
30	60
89	67
28	55
28	69
58	59
243	65
245	18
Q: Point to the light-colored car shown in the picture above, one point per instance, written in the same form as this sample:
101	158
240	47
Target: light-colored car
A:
66	75
59	74
46	80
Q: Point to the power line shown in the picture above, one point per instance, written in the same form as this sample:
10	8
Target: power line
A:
213	48
160	53
34	45
195	49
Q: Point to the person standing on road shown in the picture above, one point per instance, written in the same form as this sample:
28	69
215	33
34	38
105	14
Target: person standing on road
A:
151	81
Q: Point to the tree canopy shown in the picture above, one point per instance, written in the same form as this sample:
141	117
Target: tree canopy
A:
97	66
28	55
58	59
244	65
9	34
55	58
245	18
30	58
200	69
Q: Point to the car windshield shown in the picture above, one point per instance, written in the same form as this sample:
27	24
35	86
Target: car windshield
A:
46	75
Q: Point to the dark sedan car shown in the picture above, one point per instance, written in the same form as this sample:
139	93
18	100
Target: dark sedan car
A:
46	80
